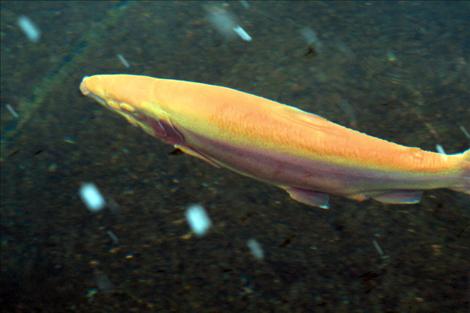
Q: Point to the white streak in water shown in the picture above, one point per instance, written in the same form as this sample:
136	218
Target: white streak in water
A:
440	149
113	237
378	248
198	219
464	131
245	4
242	33
12	111
92	197
311	37
225	22
255	249
221	20
29	28
103	282
123	60
349	110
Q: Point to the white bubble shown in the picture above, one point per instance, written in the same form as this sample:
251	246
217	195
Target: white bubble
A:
255	249
92	197
198	219
29	28
242	33
123	60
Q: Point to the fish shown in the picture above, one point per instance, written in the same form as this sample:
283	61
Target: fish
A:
302	153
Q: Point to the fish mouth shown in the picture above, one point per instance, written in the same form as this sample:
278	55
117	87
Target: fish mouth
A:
97	99
123	109
86	92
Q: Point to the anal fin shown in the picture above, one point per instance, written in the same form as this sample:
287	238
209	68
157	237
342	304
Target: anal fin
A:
399	197
309	197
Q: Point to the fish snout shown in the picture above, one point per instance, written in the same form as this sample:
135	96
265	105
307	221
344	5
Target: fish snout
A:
83	88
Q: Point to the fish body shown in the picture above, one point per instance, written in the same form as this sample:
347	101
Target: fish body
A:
300	152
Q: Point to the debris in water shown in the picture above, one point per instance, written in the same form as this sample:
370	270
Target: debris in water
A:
102	281
113	237
29	28
436	249
379	249
312	39
92	198
221	20
198	219
242	33
348	109
69	140
225	23
440	149
52	168
37	152
391	57
91	293
287	241
112	205
255	249
123	60
464	131
12	111
245	4
13	153
310	52
431	129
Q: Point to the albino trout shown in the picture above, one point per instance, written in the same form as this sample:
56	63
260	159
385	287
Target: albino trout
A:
302	153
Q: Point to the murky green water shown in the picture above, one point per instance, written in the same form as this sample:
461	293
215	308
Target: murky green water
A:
396	70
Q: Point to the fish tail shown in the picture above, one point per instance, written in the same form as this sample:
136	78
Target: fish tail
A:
463	184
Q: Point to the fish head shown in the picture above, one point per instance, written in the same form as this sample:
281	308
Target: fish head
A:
133	98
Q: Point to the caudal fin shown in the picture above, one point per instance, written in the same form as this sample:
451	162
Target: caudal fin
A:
464	183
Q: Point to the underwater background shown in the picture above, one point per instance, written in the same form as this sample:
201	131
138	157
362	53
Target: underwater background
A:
398	70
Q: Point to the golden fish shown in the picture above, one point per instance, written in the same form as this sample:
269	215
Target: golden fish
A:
302	153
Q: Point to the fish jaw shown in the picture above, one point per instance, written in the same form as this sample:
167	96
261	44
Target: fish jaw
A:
118	89
139	112
127	94
86	92
90	86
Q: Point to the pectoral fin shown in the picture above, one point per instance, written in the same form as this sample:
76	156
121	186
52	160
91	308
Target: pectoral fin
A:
399	197
309	197
196	154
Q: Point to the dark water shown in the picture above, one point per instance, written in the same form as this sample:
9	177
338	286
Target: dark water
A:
396	70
